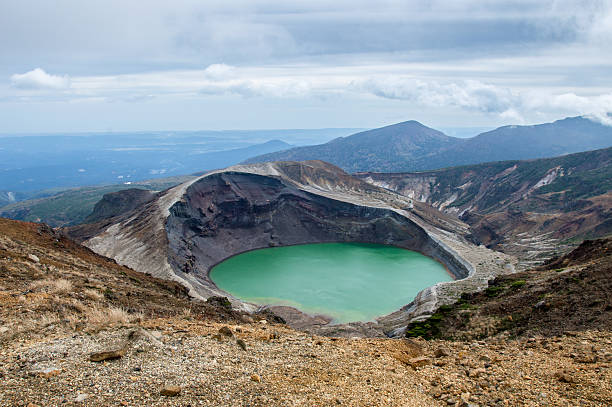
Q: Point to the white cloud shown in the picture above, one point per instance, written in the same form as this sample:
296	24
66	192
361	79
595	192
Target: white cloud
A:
472	95
468	94
597	107
218	72
259	88
428	87
39	79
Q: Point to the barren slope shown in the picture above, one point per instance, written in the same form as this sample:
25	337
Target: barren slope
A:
50	332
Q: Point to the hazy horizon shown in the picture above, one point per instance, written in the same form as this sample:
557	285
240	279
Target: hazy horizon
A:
459	132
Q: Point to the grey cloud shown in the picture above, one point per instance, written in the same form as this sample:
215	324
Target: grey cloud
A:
108	35
484	60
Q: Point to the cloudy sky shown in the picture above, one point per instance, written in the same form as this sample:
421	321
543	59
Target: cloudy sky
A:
74	65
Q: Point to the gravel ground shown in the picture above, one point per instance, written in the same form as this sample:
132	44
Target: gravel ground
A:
282	367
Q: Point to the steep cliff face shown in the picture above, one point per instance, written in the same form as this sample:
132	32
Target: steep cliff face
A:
188	229
228	213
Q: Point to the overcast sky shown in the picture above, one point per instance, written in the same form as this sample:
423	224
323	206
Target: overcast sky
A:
74	65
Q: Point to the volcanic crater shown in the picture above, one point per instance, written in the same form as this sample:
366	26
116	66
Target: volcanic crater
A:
185	231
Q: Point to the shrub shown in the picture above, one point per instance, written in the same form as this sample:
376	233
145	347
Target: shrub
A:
94	295
445	309
493	291
108	316
60	286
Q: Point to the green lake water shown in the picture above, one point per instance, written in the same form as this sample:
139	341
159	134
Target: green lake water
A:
346	281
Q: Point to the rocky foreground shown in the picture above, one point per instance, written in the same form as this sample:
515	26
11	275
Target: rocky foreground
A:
186	362
78	329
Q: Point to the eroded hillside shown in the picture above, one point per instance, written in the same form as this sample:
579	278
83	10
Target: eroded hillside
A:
533	209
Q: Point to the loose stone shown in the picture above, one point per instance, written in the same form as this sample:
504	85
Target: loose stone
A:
170	391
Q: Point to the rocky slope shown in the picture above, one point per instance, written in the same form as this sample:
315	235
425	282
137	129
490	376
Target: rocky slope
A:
410	146
48	278
188	229
67	307
527	208
570	293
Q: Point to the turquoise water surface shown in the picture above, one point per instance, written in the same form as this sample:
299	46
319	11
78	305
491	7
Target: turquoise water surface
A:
346	281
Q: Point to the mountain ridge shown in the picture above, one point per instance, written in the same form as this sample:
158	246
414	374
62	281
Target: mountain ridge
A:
370	148
411	146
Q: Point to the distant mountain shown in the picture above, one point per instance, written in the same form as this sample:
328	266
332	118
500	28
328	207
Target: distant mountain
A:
410	146
390	148
570	135
531	206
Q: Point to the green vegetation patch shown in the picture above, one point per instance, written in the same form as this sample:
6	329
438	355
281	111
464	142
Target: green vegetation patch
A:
429	328
494	291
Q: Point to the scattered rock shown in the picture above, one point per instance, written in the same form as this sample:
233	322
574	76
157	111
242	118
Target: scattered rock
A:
108	355
50	372
81	397
170	391
476	372
256	378
34	258
441	352
586	358
485	358
564	376
224	330
153	337
242	344
248	319
419	361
